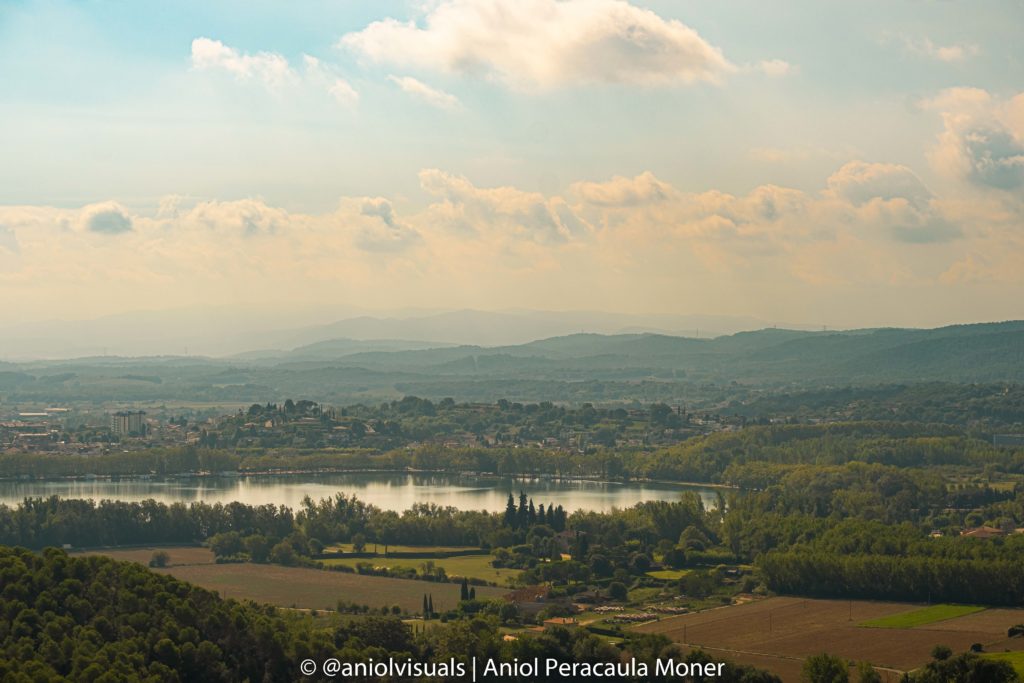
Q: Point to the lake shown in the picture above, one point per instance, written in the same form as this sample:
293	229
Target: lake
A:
394	491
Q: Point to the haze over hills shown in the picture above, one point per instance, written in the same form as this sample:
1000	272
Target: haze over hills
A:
231	331
577	367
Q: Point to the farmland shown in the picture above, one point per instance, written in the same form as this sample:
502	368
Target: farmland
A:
922	617
470	566
778	633
179	555
319	589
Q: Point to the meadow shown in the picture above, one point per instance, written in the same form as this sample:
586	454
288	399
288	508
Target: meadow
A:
922	617
469	566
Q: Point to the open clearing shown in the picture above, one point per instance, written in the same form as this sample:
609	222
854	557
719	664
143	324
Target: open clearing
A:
778	633
470	566
669	574
319	589
923	616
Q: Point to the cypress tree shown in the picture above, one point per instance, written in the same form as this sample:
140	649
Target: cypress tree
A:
510	511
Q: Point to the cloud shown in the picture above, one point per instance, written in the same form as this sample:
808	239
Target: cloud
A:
245	217
328	79
620	191
775	68
422	91
860	182
545	44
983	138
8	240
269	68
622	239
107	218
343	92
972	268
924	47
893	198
377	226
505	211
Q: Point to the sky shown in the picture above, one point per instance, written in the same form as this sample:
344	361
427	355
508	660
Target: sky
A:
848	164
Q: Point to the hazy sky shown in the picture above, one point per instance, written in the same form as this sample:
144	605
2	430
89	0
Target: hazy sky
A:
815	161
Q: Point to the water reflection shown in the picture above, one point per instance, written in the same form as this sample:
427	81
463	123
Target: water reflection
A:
397	491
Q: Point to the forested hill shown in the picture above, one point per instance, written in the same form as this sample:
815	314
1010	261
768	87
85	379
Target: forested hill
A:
579	367
87	619
967	353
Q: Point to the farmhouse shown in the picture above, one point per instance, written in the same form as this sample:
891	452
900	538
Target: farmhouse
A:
531	599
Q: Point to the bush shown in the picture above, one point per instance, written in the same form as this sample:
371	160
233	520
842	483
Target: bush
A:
825	668
159	559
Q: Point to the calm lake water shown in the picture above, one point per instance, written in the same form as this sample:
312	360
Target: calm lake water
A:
388	491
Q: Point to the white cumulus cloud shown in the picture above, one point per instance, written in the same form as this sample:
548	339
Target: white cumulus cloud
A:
983	138
269	68
543	44
422	91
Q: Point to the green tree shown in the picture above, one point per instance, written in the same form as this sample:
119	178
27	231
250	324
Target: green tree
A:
825	668
160	558
867	674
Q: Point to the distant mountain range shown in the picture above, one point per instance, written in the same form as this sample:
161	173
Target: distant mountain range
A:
979	352
232	331
584	366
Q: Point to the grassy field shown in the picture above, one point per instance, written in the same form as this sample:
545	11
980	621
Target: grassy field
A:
470	566
669	574
319	589
778	633
1016	659
922	617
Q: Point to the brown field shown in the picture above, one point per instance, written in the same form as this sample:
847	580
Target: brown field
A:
778	633
319	589
179	556
990	621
